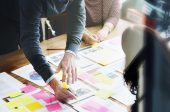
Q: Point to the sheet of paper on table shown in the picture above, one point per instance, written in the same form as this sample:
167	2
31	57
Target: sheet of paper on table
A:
81	90
103	54
82	63
120	89
115	42
103	78
95	104
119	65
33	100
27	72
7	83
124	96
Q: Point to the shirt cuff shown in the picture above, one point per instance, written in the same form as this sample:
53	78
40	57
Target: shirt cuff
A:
52	77
71	52
110	26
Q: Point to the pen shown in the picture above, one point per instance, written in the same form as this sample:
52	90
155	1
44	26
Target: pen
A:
83	48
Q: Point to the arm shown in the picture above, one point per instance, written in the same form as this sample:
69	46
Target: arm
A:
110	22
30	20
76	24
113	16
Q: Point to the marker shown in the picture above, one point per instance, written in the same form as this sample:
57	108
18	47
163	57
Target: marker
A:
66	86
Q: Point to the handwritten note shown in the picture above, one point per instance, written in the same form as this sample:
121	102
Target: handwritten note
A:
34	106
54	107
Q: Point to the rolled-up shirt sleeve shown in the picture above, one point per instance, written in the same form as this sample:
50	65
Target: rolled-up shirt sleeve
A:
76	24
31	11
114	13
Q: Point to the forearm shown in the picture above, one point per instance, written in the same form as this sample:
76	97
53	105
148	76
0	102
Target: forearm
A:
114	13
108	27
34	54
76	24
30	23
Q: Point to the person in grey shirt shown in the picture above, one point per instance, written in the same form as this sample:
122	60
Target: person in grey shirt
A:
30	15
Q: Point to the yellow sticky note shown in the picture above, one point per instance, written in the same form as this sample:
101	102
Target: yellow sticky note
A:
65	85
94	45
15	94
103	79
104	94
20	110
25	100
34	106
104	62
12	104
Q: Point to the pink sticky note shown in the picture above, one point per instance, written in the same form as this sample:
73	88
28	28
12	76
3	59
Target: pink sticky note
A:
94	107
87	77
28	89
53	107
50	98
40	95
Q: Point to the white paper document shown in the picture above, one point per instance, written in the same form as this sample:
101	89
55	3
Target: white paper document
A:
27	72
81	90
102	78
124	96
103	54
8	84
95	104
81	62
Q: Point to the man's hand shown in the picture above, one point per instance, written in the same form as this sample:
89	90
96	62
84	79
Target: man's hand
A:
68	67
61	94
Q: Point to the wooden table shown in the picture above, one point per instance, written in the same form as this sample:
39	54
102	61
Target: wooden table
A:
14	60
